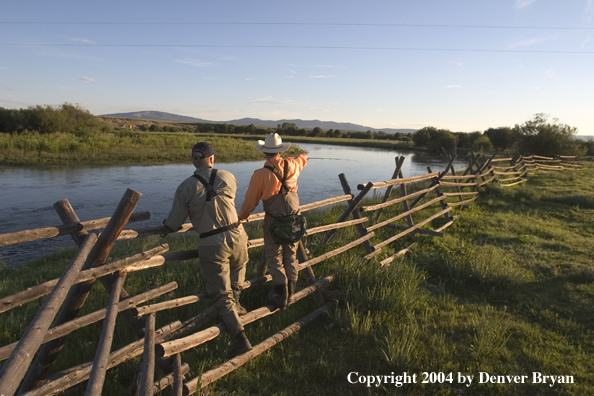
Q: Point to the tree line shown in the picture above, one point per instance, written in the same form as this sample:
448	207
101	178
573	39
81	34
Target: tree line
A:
536	136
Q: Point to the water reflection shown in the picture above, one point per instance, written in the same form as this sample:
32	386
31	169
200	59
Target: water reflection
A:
28	193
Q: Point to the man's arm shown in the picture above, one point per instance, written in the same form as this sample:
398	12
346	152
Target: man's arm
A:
179	211
252	197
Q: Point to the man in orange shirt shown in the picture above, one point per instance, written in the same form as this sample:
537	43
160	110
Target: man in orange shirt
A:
278	200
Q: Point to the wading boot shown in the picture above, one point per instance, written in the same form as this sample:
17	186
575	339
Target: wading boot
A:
278	297
239	344
240	310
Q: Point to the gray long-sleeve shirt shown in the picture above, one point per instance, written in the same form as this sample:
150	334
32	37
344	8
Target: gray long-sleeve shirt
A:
190	200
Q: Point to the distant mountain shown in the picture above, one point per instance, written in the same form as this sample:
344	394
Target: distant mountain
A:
307	124
156	116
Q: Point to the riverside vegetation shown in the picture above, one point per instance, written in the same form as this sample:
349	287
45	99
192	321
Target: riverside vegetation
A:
509	290
70	134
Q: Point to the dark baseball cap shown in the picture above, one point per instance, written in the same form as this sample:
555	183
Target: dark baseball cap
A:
205	149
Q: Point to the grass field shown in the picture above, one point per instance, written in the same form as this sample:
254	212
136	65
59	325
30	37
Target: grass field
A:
508	291
139	148
143	148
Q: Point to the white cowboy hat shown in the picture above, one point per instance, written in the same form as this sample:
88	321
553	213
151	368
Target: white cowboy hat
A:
272	144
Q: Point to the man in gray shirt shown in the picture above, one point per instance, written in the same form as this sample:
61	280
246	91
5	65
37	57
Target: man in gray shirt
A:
208	198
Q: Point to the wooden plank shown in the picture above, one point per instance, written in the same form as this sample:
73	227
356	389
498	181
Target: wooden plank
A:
385	262
306	207
154	308
97	376
335	226
398	200
409	230
78	374
513	184
462	193
78	323
395	182
457	184
16	366
209	377
352	205
403	214
453	204
126	265
65	229
170	348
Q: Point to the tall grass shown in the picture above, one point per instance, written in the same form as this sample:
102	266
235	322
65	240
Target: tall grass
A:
118	148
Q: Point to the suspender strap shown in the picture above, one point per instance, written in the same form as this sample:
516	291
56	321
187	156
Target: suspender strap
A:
283	179
210	191
220	230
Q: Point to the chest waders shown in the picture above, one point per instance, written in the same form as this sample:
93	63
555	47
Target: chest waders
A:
288	226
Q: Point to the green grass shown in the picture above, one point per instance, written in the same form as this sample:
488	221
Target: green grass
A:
509	290
140	148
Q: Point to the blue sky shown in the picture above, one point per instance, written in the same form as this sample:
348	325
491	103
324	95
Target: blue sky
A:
461	65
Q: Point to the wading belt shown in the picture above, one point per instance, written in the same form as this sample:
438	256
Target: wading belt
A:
210	193
281	179
220	230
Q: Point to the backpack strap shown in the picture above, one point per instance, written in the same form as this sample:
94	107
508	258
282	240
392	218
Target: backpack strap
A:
283	179
210	191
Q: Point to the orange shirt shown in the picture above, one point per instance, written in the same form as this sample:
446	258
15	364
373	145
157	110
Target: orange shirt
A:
264	184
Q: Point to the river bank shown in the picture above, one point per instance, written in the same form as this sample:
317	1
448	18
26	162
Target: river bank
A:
145	148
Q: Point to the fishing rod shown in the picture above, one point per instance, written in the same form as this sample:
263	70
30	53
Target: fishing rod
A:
330	159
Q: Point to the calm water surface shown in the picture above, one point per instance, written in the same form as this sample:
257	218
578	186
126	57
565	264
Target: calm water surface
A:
27	194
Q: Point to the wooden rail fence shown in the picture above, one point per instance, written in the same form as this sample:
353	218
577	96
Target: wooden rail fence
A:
426	202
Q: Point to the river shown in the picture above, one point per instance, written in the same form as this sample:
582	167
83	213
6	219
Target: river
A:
28	193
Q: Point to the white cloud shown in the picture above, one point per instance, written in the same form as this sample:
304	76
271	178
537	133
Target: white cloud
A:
329	66
549	74
454	86
529	42
586	41
194	62
321	76
82	40
523	3
87	79
249	79
589	11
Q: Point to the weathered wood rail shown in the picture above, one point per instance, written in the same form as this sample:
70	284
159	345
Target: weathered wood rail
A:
425	203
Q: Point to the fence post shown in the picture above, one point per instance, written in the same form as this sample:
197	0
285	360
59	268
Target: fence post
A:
351	209
439	194
309	274
78	294
97	376
399	162
15	368
67	215
148	357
